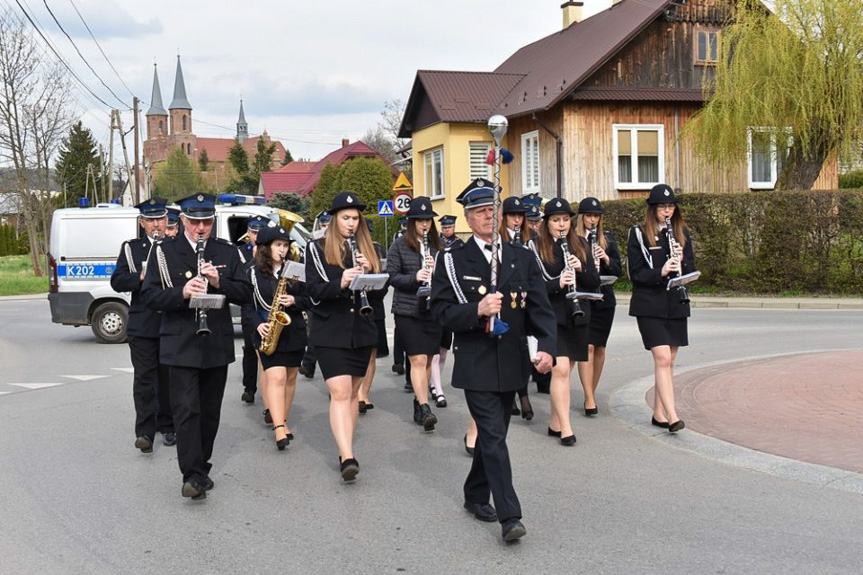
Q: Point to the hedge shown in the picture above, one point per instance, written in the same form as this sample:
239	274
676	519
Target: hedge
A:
771	242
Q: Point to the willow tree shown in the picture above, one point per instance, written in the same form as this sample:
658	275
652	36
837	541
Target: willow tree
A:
795	73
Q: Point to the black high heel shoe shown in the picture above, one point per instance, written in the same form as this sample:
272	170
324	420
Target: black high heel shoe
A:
553	433
526	408
281	444
515	409
468	450
589	411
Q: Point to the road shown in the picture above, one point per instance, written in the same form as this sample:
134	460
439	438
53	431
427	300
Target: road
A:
78	498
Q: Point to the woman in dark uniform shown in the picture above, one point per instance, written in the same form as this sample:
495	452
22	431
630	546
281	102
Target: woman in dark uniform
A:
281	367
607	255
343	336
379	313
660	312
571	330
410	263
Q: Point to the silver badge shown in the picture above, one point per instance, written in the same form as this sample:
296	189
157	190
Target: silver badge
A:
516	202
667	193
200	198
350	200
594	202
423	207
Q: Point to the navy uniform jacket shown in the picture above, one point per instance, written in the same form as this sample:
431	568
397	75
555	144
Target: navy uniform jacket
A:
247	256
650	298
483	362
612	269
143	321
336	311
180	345
585	280
293	336
452	241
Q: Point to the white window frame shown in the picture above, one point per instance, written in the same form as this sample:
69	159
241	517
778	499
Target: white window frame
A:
430	166
634	129
477	154
530	163
774	157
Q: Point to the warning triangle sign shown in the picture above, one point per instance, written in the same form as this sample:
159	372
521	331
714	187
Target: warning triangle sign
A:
403	184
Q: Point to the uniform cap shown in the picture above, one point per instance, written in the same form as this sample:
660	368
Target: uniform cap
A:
257	223
153	208
480	192
557	206
514	206
446	221
324	217
421	209
173	217
268	235
346	200
661	194
590	206
198	206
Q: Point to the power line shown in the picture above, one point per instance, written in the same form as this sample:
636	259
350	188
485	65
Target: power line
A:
98	77
100	48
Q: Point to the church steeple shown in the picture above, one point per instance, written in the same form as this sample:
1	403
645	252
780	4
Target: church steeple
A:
181	109
242	126
157	116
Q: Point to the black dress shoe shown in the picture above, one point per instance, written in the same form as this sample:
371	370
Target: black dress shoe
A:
657	423
399	369
512	529
568	440
409	388
588	411
248	396
349	469
676	426
362	406
194	490
553	433
169	438
144	443
207	483
468	450
482	511
427	418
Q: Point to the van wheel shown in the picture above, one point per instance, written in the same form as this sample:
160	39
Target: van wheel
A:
109	322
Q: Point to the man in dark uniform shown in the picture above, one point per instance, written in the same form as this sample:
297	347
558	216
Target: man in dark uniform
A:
490	368
533	219
250	358
198	363
447	231
150	388
173	223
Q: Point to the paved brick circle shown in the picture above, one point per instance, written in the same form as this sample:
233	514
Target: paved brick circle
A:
807	407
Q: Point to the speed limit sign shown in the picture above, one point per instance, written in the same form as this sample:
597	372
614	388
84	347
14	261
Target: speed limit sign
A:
402	202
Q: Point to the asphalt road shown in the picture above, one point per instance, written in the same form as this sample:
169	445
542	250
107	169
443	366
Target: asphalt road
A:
76	497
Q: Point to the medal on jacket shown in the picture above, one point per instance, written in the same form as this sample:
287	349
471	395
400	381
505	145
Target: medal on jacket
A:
513	295
481	290
523	299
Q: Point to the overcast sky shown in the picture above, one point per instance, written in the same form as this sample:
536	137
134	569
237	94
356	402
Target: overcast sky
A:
309	72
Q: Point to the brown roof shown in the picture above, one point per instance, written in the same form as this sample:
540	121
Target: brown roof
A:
454	97
639	94
217	148
557	64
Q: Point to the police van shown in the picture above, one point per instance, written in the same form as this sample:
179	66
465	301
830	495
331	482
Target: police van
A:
85	243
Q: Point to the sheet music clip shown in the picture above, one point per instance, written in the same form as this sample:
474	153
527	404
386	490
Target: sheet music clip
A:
207	301
683	280
295	272
369	282
607	280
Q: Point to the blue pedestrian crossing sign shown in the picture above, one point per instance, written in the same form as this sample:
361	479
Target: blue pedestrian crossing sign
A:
385	208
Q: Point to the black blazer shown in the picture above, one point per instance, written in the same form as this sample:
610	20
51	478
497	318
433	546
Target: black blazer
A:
337	322
482	362
403	263
650	298
612	269
143	321
585	280
293	336
180	345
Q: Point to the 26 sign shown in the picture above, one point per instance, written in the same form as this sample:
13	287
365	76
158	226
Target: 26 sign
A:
402	202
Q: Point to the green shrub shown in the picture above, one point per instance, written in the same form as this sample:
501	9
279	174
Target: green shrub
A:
853	180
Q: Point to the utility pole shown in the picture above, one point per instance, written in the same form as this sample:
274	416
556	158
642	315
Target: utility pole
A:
104	183
116	115
111	158
137	132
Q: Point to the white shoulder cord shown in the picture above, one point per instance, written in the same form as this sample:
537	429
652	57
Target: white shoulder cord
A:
316	259
545	274
129	259
453	279
253	273
644	249
163	268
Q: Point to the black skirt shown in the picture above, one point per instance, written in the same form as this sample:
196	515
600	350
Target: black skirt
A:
419	336
600	325
656	331
572	342
282	359
335	361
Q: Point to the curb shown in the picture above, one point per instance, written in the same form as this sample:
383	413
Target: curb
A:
31	296
766	302
628	404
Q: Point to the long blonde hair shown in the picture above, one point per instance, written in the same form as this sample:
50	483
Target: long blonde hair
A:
651	227
546	243
335	252
581	230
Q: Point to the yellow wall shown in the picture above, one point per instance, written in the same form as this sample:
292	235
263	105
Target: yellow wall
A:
455	139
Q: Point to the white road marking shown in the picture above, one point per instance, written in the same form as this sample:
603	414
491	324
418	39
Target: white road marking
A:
124	369
35	385
4	392
84	377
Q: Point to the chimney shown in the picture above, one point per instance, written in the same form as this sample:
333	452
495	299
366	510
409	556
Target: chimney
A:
345	142
573	12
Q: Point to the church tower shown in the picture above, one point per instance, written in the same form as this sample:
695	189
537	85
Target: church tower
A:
181	114
242	126
157	116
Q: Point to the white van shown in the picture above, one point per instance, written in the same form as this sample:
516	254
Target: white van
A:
85	243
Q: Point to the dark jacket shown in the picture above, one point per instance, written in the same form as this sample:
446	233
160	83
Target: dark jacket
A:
585	280
337	321
650	296
482	362
612	269
180	345
403	263
143	321
293	336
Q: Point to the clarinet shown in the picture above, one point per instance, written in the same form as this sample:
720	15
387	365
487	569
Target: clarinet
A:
571	296
425	289
153	241
516	236
673	248
203	327
591	242
365	306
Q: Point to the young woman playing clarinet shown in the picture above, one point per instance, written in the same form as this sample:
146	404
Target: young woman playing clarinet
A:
343	330
565	263
410	263
280	347
607	255
657	250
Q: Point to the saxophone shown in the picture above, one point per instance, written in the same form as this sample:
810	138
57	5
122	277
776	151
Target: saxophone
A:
277	319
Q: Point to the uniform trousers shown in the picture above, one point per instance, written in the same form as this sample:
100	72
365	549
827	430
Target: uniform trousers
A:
150	388
491	472
250	360
196	395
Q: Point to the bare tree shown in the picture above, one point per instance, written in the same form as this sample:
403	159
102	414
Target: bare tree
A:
35	113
